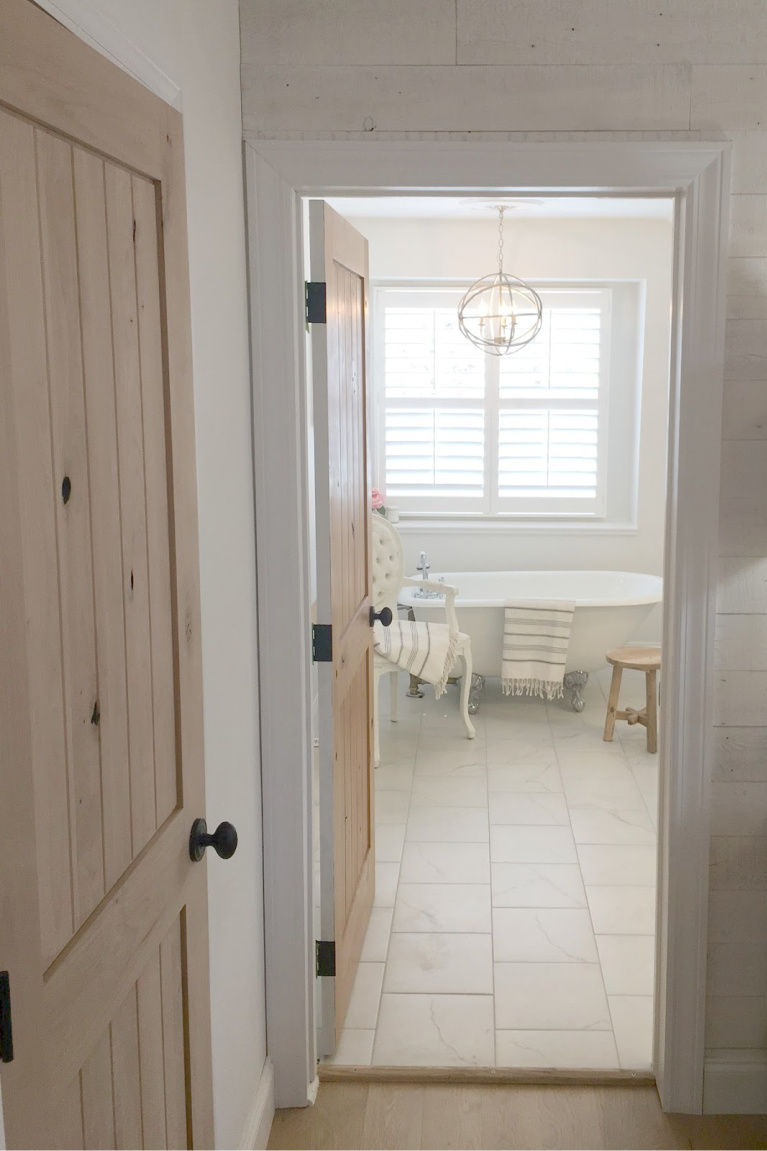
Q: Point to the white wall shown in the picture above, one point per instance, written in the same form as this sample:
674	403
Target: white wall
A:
536	249
196	44
548	70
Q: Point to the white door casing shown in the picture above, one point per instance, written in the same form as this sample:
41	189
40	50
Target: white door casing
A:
279	173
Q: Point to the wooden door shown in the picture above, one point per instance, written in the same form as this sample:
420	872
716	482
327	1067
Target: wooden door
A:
339	259
103	914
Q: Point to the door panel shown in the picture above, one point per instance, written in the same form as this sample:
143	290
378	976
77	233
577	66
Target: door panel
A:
69	451
104	914
130	1091
339	258
126	1073
24	313
117	670
104	488
159	537
133	502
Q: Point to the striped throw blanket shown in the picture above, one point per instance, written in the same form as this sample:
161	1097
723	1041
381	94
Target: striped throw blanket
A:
536	634
427	650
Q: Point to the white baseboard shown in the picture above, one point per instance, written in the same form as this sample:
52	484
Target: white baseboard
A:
255	1135
734	1082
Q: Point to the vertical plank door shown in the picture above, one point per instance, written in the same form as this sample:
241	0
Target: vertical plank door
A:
103	915
339	259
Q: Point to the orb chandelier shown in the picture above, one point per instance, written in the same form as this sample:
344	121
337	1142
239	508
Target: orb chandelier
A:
500	313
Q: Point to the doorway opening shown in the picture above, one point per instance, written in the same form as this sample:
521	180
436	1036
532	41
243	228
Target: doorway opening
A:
280	174
513	920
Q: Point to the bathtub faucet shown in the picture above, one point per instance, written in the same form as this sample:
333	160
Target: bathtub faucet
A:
425	592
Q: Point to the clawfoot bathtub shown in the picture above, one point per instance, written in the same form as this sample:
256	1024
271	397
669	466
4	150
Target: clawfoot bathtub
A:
609	608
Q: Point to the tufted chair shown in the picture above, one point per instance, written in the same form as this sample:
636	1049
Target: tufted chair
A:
388	565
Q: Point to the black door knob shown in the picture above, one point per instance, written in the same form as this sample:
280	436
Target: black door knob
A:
384	616
223	840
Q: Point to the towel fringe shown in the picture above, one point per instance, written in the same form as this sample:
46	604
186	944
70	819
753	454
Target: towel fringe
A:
540	687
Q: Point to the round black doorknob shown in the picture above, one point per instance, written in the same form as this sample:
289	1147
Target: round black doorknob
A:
384	616
223	840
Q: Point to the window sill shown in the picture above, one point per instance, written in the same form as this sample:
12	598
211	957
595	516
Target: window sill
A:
412	524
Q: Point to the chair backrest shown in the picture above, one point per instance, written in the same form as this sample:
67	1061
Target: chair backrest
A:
388	564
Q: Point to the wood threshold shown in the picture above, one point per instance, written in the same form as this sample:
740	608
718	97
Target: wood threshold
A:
333	1073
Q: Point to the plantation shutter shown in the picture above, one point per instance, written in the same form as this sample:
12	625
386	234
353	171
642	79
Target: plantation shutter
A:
551	415
434	431
465	432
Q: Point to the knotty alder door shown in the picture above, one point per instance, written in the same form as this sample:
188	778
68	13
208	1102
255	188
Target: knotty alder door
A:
339	258
103	918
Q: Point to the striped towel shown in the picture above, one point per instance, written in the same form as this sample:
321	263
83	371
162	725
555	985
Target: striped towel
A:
427	650
536	634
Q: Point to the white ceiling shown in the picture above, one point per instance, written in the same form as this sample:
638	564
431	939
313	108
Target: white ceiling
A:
479	208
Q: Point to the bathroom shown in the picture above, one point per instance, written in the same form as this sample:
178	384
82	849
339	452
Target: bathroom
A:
514	913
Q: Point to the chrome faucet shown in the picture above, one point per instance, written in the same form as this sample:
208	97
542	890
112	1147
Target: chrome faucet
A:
425	592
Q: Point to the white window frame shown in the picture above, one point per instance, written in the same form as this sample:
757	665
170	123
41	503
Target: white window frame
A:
490	507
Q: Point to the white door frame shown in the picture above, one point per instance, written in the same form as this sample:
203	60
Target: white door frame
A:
279	173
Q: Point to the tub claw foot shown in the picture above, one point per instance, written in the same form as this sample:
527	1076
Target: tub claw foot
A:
475	694
575	682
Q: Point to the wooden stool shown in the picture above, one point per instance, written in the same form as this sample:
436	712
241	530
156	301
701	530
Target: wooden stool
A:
646	659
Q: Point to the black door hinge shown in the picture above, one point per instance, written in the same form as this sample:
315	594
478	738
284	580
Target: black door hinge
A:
325	950
6	1027
322	643
316	302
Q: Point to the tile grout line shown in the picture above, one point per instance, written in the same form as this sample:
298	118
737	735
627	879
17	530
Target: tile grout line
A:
588	908
399	880
492	909
654	821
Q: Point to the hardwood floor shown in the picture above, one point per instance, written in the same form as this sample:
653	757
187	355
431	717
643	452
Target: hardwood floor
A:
385	1115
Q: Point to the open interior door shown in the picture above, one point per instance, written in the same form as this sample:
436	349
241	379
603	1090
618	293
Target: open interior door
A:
104	994
339	261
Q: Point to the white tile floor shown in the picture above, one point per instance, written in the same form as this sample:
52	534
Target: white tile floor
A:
515	889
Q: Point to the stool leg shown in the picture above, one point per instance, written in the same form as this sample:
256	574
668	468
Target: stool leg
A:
652	712
612	703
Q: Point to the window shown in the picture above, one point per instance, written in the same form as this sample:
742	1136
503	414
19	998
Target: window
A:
462	432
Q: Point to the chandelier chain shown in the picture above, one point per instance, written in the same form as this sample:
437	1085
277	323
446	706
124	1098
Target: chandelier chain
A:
500	238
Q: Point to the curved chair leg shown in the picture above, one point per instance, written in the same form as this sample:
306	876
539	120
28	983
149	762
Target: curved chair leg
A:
376	742
393	696
465	689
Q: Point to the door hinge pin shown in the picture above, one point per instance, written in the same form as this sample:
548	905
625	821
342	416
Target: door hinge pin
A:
322	643
316	302
6	1027
325	952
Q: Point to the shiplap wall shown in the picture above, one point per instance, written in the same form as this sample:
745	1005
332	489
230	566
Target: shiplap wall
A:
591	69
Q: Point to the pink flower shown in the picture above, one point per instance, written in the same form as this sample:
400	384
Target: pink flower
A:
376	499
